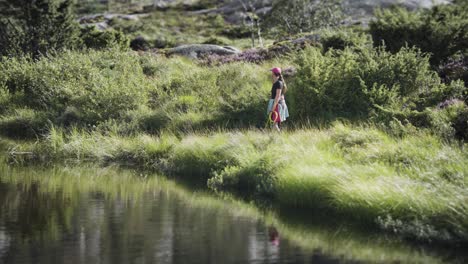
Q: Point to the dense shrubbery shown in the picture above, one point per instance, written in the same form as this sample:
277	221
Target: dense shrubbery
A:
93	38
37	27
347	83
455	69
86	89
340	39
153	93
372	83
441	31
150	92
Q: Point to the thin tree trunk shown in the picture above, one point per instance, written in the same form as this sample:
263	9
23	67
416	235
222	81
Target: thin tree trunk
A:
259	33
252	30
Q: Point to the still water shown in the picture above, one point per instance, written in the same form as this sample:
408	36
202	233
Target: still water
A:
91	215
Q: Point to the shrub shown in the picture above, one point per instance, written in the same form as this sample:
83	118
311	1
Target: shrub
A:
93	87
341	39
139	43
450	120
243	94
5	98
456	68
163	42
216	41
36	28
95	39
257	178
358	84
24	123
440	31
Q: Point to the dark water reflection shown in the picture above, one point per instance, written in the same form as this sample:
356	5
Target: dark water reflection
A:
46	217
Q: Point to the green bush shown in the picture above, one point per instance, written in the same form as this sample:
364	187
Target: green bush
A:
37	28
440	31
450	121
149	93
93	38
355	84
24	123
216	41
5	98
93	87
341	39
256	178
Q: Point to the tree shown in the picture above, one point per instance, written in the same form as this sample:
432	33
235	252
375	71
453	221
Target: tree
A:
253	21
297	16
36	27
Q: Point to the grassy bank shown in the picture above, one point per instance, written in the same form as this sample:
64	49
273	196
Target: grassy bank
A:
69	184
414	185
405	172
136	93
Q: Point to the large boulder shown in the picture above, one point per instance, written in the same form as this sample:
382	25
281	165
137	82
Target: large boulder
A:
200	50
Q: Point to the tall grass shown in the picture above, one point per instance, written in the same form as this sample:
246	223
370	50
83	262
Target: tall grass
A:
101	89
414	186
133	93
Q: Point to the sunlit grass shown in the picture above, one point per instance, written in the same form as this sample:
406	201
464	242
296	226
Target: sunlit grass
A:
415	186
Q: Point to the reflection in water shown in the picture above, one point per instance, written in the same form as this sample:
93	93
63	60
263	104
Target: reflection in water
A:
89	216
274	236
50	227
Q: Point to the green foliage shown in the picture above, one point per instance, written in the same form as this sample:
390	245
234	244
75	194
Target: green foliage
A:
353	84
342	38
37	27
255	177
413	186
24	123
451	121
151	93
234	31
95	39
216	41
5	98
92	87
440	31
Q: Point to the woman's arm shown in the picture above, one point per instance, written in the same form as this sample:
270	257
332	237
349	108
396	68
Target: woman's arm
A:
277	97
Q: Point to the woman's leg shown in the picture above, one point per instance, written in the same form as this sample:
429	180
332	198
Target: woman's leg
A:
276	118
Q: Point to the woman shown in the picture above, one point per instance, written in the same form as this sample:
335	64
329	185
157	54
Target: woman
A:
277	109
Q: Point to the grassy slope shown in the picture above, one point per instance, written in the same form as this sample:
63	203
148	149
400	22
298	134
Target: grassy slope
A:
414	186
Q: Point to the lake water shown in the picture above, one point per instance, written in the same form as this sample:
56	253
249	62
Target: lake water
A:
93	215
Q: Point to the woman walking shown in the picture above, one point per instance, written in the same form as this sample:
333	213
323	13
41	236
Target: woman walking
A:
277	108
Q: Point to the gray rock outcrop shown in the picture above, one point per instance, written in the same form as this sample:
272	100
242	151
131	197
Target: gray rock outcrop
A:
199	50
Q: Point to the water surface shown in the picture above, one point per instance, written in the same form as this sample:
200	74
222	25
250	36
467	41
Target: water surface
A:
91	215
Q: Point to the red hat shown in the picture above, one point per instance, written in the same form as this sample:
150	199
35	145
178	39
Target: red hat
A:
276	70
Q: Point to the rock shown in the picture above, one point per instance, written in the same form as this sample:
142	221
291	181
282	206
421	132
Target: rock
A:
100	25
101	21
306	39
199	50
